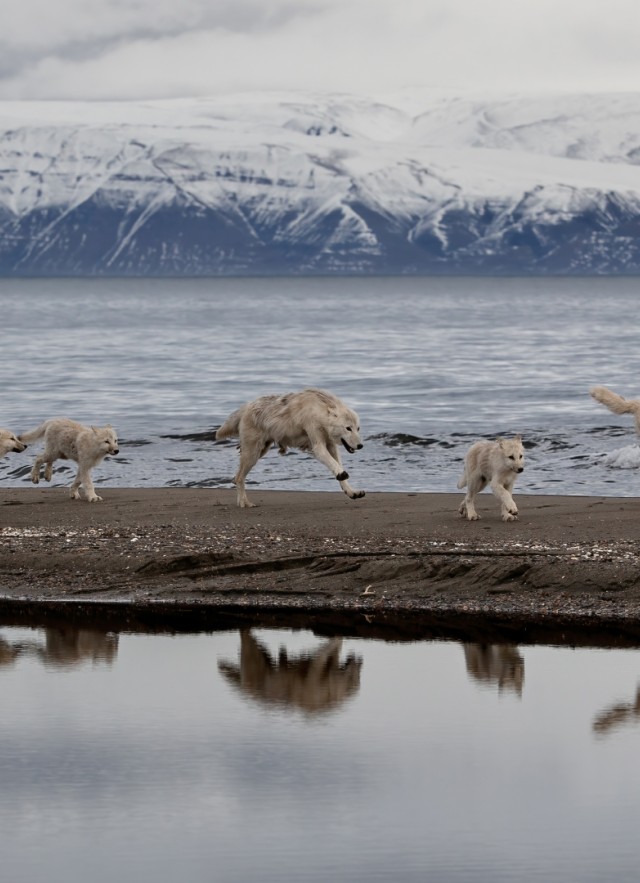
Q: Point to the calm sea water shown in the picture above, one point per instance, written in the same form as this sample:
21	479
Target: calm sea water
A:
165	758
430	364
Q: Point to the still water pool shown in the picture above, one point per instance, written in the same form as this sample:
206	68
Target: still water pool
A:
283	756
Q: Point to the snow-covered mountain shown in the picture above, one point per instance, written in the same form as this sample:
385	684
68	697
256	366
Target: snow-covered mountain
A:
413	182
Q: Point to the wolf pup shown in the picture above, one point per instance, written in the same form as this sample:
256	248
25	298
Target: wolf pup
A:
312	420
494	463
67	440
10	442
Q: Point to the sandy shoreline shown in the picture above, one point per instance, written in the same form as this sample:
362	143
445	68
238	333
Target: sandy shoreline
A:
403	564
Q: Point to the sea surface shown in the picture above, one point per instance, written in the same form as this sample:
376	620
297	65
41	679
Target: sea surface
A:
303	760
431	365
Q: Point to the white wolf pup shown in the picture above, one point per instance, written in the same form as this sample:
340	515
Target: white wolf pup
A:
10	442
312	420
67	440
495	463
616	403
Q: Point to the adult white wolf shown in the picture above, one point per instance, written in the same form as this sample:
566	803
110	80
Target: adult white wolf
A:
616	403
10	442
312	420
67	440
495	463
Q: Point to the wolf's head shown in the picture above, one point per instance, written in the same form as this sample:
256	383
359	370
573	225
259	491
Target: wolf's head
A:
10	442
107	438
345	428
513	453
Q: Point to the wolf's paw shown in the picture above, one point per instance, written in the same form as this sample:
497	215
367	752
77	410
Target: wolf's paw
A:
35	478
356	495
94	499
509	516
245	504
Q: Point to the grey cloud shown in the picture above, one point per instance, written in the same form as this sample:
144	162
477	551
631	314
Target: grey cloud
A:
21	50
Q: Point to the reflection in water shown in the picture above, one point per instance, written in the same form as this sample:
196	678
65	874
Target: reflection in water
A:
63	647
422	772
617	715
499	664
313	682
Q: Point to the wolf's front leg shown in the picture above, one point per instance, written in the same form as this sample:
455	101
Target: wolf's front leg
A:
84	478
330	456
508	509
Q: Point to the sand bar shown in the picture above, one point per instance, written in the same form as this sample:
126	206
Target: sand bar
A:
391	563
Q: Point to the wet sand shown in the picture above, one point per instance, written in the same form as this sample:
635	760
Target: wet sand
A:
404	561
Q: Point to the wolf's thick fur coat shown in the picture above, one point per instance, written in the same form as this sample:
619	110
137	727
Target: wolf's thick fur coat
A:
312	420
494	463
67	440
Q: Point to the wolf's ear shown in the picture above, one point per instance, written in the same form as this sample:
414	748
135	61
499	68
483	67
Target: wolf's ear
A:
95	428
500	441
517	437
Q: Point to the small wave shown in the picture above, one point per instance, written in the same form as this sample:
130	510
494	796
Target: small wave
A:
207	435
394	440
624	458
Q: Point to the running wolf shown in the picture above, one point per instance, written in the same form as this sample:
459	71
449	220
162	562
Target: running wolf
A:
312	420
67	440
495	463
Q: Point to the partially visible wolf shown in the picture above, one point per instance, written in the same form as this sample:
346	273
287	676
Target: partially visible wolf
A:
616	403
312	420
494	463
67	440
10	442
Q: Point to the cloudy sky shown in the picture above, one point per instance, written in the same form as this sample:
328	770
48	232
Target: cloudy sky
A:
120	49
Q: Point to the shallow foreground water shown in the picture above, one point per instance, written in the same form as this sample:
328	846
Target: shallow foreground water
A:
284	756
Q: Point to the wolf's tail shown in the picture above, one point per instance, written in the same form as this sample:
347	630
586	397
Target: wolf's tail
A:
35	434
616	403
231	426
462	480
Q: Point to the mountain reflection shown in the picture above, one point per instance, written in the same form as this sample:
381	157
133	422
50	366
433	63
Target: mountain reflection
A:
499	664
63	647
313	682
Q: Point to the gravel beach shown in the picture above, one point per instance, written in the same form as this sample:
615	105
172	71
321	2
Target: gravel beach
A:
405	563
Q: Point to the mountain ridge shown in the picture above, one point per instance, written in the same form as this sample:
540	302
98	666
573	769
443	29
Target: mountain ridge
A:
420	182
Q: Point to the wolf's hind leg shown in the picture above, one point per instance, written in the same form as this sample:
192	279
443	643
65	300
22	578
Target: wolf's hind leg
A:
250	453
35	469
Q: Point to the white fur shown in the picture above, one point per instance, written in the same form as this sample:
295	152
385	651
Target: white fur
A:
67	440
10	442
496	463
312	420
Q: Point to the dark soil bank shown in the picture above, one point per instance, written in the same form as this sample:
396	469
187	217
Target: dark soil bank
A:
404	565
